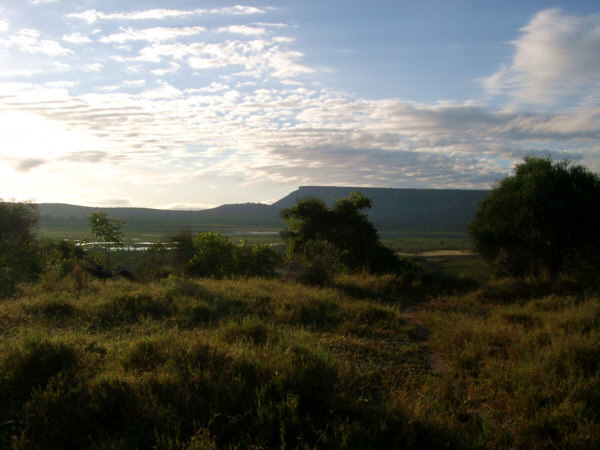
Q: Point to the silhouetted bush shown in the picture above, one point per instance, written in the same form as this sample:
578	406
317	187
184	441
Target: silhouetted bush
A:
541	221
345	228
19	259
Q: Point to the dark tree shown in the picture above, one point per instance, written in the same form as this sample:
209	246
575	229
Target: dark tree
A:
348	231
18	250
544	220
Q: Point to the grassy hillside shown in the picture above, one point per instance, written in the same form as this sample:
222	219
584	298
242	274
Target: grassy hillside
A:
259	363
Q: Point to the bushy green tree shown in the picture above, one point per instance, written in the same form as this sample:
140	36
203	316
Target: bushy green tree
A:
257	260
216	256
106	231
345	227
18	249
541	221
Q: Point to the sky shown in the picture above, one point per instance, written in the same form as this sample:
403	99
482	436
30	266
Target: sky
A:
194	104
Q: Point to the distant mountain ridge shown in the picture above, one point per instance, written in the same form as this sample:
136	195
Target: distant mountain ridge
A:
393	209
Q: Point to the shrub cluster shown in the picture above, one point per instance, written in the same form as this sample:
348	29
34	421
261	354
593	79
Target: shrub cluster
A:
323	241
542	221
18	250
216	256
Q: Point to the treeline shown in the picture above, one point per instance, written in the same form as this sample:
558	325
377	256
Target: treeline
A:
321	243
541	223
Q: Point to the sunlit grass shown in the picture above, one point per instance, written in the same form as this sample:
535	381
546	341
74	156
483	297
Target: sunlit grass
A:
522	374
195	363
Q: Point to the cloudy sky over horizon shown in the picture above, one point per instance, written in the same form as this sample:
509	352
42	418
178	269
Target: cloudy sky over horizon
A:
192	104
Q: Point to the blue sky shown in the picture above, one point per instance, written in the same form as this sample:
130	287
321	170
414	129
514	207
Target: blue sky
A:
192	104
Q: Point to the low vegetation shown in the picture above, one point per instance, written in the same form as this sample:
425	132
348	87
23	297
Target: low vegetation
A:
182	363
208	363
203	343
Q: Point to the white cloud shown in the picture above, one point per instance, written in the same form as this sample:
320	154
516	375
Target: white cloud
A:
556	56
91	16
165	91
242	29
137	83
271	25
258	57
291	136
18	73
76	38
156	34
94	67
173	68
60	84
4	25
237	10
28	40
237	124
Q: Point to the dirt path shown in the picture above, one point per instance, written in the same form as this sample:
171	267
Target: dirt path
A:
435	361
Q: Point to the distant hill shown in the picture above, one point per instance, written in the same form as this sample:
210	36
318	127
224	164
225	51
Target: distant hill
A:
393	209
413	209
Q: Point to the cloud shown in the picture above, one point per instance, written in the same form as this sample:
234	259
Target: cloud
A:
166	136
115	202
94	67
25	165
156	34
19	73
173	68
76	38
28	40
237	10
242	29
91	16
556	56
4	25
60	84
258	56
244	109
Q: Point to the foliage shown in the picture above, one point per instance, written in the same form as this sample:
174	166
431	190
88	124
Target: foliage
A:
317	265
18	250
216	256
107	231
183	249
258	260
541	221
344	227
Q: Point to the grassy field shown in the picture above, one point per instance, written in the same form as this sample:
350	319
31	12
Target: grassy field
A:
149	233
404	241
369	362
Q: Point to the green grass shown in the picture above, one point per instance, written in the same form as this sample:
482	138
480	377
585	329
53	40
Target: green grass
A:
193	363
418	243
523	373
270	363
467	265
160	232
